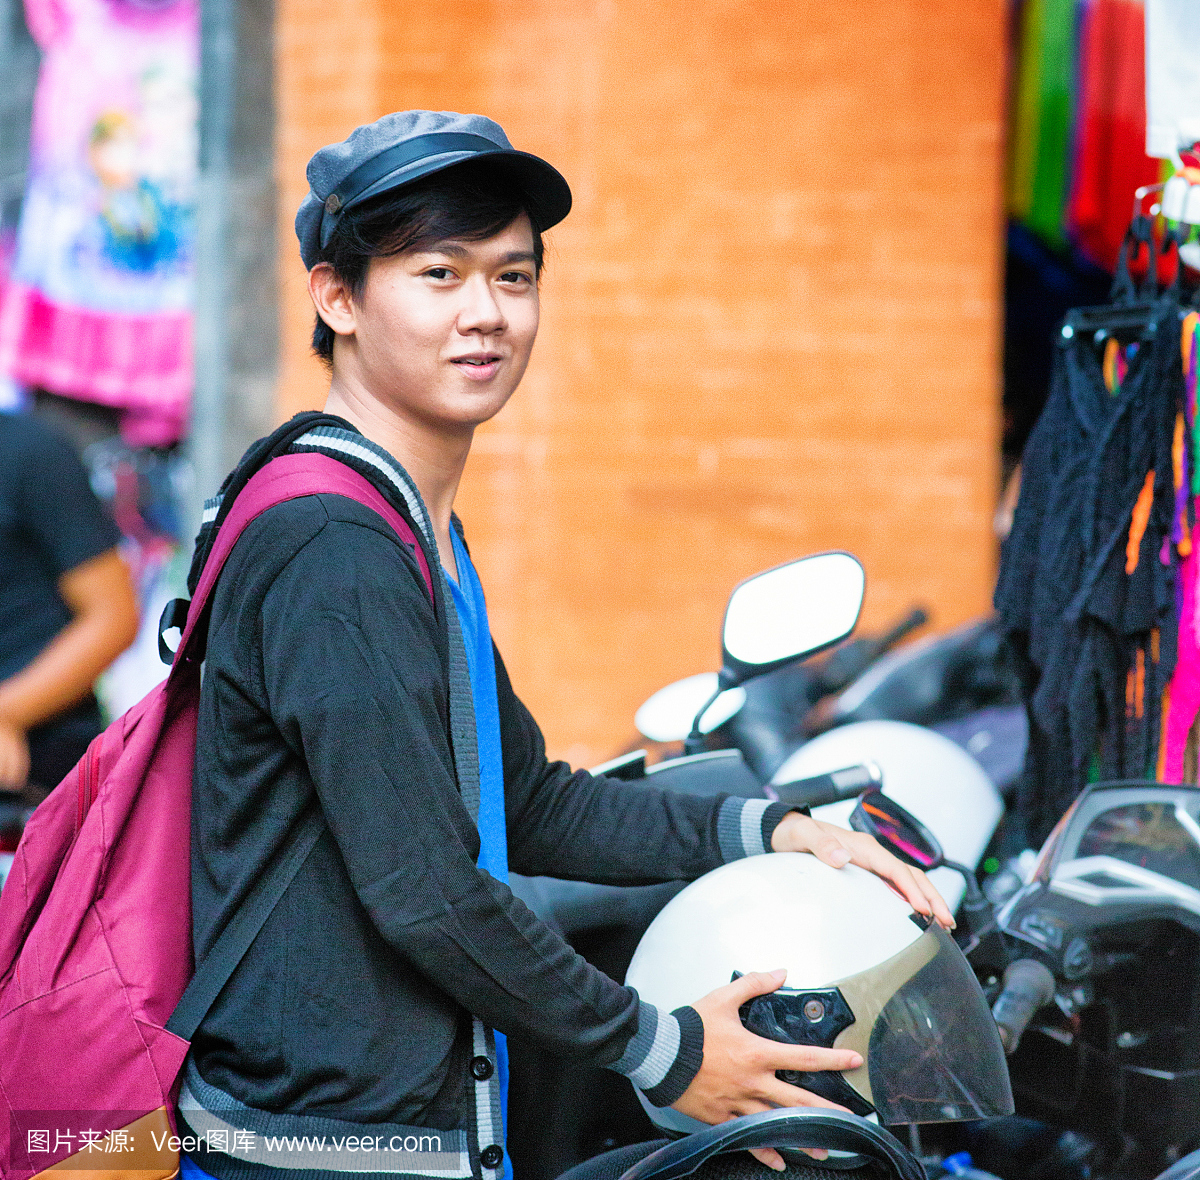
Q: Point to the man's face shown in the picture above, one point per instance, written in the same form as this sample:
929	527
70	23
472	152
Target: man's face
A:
443	335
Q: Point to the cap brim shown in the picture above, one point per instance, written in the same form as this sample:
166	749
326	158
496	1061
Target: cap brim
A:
546	191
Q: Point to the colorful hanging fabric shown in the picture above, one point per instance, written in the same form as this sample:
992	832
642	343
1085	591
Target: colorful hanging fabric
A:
1181	701
1110	159
1042	117
98	303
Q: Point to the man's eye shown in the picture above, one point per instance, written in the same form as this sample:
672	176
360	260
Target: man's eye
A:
515	276
439	272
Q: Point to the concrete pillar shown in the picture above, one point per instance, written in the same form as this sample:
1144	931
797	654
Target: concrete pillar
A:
236	292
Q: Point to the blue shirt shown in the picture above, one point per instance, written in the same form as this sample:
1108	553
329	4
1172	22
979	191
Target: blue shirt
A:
481	664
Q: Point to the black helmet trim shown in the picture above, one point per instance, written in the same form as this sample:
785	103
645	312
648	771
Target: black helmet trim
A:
806	1016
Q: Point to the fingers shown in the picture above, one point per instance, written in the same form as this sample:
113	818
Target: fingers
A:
779	1093
829	848
770	1157
774	1161
838	847
755	983
806	1058
915	887
912	884
903	877
925	899
941	911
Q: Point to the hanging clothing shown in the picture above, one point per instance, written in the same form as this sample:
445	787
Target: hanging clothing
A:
97	305
1181	701
1087	590
1172	76
1110	161
1042	118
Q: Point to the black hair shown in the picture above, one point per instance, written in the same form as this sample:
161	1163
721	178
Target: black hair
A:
471	201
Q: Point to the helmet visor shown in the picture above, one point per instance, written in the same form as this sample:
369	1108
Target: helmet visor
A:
933	1054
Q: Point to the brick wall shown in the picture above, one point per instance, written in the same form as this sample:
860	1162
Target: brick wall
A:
770	325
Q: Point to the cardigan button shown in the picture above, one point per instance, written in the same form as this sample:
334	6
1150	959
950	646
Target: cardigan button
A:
481	1070
492	1157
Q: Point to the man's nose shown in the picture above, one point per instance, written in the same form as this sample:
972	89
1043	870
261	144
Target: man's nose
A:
480	311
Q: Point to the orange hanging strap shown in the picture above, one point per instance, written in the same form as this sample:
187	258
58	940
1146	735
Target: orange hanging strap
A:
1138	522
1178	460
1112	350
1161	764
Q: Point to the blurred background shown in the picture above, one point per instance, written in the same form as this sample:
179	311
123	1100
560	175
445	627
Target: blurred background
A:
806	298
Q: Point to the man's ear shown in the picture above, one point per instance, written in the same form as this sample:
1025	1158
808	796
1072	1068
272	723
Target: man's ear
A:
332	299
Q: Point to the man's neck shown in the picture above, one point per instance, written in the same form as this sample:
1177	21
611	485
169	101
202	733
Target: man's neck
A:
434	459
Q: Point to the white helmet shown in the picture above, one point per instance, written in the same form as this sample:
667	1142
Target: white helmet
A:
926	773
864	973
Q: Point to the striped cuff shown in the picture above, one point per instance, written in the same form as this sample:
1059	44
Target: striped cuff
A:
745	826
665	1053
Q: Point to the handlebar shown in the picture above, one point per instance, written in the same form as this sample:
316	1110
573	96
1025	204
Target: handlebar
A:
847	663
832	787
1028	986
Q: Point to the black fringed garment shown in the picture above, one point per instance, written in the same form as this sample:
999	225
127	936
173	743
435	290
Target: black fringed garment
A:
1089	609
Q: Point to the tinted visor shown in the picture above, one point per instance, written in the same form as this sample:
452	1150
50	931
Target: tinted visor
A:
933	1054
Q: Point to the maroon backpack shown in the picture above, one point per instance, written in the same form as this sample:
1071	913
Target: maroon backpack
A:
96	1007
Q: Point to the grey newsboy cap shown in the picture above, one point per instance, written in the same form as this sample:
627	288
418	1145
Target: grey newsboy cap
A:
406	146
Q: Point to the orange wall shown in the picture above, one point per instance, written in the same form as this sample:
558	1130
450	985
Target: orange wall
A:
770	324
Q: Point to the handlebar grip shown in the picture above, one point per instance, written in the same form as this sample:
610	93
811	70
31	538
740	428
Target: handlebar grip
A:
1028	986
848	783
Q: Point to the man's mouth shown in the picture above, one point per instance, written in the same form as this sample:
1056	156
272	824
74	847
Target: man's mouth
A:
478	365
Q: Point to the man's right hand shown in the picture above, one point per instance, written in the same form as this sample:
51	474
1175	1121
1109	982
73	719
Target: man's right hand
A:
737	1075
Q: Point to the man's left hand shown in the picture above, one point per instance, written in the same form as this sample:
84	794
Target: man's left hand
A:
838	847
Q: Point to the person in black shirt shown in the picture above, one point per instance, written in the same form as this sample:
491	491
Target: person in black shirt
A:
67	604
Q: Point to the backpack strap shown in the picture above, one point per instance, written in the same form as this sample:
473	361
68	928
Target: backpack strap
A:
287	477
216	968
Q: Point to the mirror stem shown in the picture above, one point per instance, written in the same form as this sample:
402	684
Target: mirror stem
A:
974	893
694	742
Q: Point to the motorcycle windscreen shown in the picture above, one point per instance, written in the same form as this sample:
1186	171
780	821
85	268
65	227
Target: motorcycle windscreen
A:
933	1053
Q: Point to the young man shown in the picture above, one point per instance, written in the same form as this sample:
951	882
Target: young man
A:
333	681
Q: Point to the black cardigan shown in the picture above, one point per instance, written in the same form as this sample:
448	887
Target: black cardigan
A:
326	680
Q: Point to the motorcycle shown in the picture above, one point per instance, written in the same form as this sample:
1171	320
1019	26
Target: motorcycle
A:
959	684
904	708
550	1128
773	622
1093	970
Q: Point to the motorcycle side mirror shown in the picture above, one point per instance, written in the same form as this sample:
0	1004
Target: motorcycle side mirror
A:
898	830
907	838
792	611
787	613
